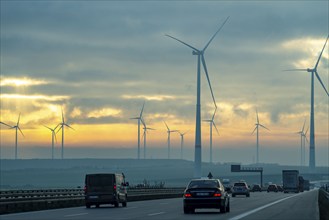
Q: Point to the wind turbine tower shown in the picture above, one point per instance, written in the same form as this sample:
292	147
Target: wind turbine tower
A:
200	58
257	139
181	143
313	72
301	133
53	136
168	140
139	118
145	128
61	127
211	124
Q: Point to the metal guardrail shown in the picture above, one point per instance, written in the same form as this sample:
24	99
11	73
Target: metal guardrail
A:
28	200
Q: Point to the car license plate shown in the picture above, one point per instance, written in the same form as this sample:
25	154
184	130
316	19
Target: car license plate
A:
202	194
93	197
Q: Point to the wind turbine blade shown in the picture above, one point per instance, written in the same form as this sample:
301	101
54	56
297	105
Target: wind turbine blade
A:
317	62
213	116
5	124
69	126
166	126
183	42
140	115
303	125
135	118
55	136
215	127
254	130
264	126
317	76
61	127
257	116
209	120
306	131
295	70
206	71
20	131
215	34
48	127
19	117
62	116
144	125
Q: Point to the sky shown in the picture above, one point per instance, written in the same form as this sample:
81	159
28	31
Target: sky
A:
99	61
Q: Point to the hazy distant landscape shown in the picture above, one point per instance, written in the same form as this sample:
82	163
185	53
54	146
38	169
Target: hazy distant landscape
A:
46	173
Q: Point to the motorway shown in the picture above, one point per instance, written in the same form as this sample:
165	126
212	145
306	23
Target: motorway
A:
259	206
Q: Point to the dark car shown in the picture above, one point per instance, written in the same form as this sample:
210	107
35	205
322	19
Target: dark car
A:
272	188
240	188
280	188
205	193
105	188
256	188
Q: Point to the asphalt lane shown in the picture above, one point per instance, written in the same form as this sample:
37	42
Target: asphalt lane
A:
258	206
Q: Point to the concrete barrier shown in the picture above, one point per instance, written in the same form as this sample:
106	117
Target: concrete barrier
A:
323	200
34	200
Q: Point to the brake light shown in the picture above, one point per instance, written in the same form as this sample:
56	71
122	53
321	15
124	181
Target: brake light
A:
217	195
187	195
115	187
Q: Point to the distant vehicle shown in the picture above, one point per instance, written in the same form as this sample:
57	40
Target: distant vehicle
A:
280	188
256	188
227	185
240	188
290	181
306	185
105	188
301	183
206	193
272	188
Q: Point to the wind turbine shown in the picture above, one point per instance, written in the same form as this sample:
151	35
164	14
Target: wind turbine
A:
169	131
139	118
211	123
145	128
16	127
301	133
53	136
200	54
313	72
181	143
62	126
256	128
305	140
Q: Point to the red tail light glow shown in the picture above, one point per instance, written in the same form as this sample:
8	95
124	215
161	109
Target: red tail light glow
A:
85	189
187	195
115	187
217	195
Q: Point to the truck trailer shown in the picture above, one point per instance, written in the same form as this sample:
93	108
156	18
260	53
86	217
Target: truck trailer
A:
290	180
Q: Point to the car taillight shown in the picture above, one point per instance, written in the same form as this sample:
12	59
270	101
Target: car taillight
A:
187	195
217	195
115	187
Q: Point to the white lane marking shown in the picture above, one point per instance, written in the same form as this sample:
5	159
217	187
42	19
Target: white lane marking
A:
260	208
79	214
159	213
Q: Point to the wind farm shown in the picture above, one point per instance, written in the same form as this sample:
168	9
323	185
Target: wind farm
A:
96	82
313	72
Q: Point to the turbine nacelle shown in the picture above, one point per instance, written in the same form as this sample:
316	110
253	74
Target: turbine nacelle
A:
194	52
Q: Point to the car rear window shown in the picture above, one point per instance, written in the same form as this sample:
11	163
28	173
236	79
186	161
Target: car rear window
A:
239	184
203	184
100	180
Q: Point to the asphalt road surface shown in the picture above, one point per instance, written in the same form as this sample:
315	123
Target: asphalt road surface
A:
259	206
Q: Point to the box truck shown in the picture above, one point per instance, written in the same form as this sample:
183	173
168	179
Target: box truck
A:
290	180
